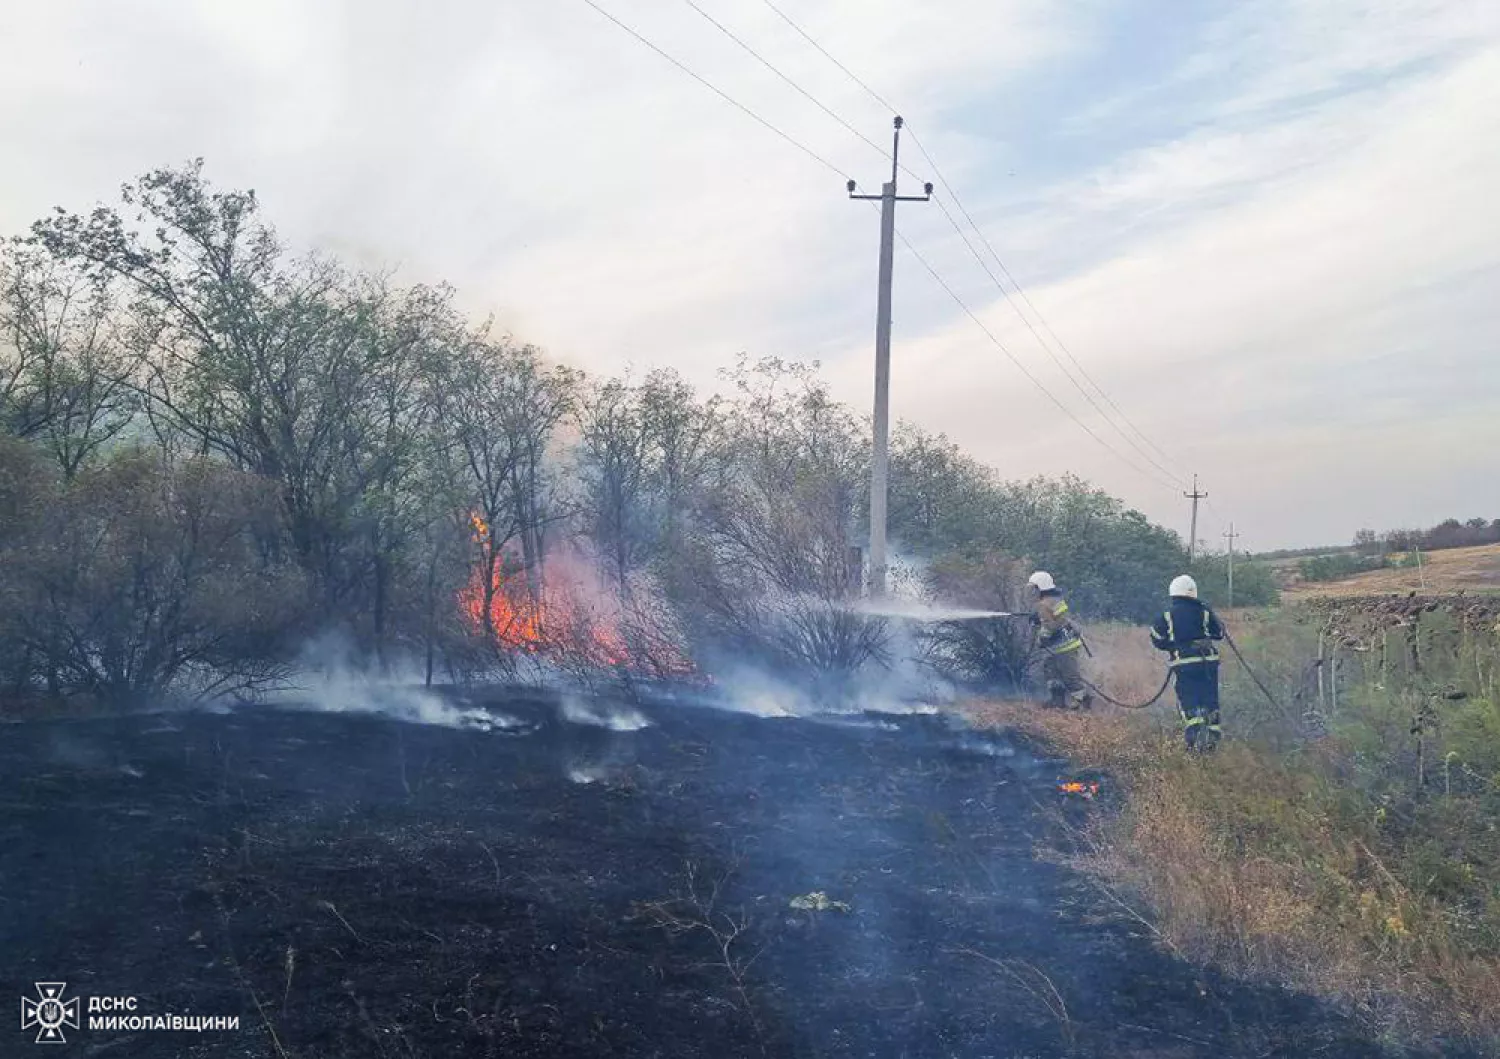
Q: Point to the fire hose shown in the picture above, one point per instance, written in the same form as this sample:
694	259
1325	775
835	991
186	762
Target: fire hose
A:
1166	680
1131	705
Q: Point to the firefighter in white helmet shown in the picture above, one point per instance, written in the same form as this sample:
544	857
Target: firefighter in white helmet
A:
1060	641
1189	632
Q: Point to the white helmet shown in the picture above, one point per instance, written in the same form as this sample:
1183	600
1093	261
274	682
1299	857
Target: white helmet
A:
1183	585
1041	581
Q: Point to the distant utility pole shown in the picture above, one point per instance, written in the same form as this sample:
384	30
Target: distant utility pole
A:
1194	496
1231	535
880	462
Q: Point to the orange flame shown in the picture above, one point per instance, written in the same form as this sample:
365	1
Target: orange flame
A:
1088	790
552	620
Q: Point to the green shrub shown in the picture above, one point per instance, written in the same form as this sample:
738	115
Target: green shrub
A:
1337	567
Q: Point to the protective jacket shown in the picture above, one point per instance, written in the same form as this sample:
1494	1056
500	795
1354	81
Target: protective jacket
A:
1188	632
1055	631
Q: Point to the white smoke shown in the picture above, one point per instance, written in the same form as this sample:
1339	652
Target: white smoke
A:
599	715
753	691
588	774
330	681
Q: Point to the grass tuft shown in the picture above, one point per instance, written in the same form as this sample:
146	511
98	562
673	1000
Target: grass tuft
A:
1349	848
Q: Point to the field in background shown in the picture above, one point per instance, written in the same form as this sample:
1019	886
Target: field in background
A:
1344	843
1471	570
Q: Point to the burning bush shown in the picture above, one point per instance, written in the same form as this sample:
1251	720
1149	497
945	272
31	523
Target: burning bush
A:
564	616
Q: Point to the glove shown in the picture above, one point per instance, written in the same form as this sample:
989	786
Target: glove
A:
1034	620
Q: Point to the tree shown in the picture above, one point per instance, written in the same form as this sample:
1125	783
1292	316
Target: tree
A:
940	499
64	378
764	573
297	370
143	579
1254	583
687	441
617	462
499	408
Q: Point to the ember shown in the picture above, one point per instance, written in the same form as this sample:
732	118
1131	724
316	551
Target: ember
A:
1086	790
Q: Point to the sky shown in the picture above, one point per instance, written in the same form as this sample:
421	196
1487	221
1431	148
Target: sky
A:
1260	236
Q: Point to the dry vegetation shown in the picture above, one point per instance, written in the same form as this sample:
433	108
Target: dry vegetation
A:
1472	570
1351	852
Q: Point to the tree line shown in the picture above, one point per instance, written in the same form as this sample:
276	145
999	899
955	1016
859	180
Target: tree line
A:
215	449
1450	533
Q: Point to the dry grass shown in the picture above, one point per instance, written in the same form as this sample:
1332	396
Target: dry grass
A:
1472	570
1261	860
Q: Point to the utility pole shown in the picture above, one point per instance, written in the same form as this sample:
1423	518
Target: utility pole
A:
1194	496
1231	535
880	457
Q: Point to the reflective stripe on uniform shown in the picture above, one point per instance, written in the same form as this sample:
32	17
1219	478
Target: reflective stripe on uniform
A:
1212	655
1071	645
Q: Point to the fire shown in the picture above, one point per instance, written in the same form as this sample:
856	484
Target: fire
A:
567	618
1087	790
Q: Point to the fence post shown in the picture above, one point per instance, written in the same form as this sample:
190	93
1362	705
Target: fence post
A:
1333	680
1322	702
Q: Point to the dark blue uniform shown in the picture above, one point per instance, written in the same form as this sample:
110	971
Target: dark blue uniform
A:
1189	632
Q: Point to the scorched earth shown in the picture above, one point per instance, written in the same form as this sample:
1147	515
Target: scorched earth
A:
673	881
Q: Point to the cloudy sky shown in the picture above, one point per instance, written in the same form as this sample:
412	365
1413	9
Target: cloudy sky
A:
1269	230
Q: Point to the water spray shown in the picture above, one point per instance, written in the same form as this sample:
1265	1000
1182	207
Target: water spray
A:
923	612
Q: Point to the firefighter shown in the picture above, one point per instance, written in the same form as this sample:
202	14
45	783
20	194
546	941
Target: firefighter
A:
1059	639
1189	632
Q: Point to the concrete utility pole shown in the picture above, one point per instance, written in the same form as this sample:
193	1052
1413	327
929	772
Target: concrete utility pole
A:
1231	535
880	457
1194	496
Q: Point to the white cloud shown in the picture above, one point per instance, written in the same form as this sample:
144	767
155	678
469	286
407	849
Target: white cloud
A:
1300	236
1352	294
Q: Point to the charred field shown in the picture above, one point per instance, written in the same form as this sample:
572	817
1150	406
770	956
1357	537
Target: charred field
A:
350	885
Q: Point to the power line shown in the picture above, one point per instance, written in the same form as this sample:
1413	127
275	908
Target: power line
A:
1020	291
1040	341
769	66
946	213
822	51
1024	370
725	96
925	264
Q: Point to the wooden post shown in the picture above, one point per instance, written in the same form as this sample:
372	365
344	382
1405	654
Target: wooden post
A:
1332	680
1322	664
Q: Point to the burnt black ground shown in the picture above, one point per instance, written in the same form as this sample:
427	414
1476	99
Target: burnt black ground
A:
371	888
